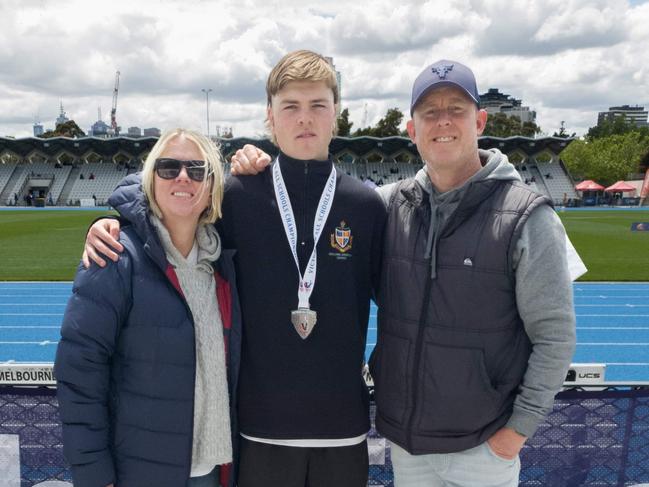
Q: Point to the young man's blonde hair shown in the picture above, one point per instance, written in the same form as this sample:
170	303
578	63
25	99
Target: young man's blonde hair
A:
301	65
213	172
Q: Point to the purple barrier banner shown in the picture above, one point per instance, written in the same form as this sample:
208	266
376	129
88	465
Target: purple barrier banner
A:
592	438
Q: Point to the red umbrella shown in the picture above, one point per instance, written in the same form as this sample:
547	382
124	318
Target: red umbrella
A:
620	187
589	185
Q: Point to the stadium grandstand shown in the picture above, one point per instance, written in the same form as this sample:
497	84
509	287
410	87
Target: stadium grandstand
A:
68	172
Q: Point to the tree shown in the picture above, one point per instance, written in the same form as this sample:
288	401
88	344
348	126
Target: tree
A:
608	127
563	133
500	125
67	129
344	125
388	126
607	159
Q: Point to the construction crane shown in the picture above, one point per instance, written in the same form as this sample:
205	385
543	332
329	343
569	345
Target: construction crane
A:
113	112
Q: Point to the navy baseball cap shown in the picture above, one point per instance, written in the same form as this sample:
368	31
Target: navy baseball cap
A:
441	73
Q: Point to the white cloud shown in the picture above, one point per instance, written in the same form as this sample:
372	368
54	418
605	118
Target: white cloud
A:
567	59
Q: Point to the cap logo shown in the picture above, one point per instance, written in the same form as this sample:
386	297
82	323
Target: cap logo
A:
442	70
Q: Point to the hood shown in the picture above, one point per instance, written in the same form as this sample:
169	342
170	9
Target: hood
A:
495	165
129	200
131	203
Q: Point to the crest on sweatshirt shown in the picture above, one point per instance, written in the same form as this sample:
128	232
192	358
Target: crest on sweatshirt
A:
342	238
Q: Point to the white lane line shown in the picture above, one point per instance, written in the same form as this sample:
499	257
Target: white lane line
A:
629	364
30	295
11	327
613	327
603	315
33	304
610	296
44	342
29	288
31	314
611	305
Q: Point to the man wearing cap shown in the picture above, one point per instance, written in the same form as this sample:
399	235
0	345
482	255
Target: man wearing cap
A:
476	319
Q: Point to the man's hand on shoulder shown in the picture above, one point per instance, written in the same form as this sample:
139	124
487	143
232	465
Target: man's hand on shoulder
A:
102	238
506	443
249	161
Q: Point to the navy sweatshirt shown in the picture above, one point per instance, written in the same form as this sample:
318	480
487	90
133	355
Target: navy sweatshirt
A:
290	388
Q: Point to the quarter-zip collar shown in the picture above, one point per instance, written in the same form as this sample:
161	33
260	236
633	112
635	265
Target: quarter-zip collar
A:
305	180
295	170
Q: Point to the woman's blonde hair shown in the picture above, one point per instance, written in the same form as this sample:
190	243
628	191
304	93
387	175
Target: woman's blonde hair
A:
213	173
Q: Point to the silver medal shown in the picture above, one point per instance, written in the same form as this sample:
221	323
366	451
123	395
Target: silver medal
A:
304	319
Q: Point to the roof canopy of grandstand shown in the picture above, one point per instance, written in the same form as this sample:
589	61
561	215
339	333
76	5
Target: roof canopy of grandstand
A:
85	170
359	149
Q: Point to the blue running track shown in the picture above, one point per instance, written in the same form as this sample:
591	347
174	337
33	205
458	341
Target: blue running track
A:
612	325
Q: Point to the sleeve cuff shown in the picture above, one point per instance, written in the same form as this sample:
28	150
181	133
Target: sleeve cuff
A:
523	422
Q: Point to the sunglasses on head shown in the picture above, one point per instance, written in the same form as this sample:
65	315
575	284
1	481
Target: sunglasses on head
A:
168	168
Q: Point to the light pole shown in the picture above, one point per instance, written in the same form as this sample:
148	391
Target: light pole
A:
207	108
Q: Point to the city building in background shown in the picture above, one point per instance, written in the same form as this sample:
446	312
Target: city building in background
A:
62	118
134	132
493	101
635	115
152	132
38	129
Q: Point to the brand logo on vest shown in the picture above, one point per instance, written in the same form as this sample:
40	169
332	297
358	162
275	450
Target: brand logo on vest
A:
468	262
342	238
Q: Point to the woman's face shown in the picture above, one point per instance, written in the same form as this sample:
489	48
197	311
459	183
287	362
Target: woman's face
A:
181	199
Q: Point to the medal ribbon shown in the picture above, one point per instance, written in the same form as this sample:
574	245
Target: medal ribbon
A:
307	281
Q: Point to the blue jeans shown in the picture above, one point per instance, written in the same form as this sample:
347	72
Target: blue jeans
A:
209	480
476	467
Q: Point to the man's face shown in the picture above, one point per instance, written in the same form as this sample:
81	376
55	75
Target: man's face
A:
445	126
302	116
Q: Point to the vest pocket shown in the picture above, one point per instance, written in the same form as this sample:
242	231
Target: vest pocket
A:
391	383
456	396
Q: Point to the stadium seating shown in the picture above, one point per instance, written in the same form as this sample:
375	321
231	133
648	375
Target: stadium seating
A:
106	177
549	178
6	170
15	183
558	182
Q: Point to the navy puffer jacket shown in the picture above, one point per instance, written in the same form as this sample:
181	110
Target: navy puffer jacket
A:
125	364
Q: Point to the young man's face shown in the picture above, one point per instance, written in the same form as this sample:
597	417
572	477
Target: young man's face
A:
445	126
302	117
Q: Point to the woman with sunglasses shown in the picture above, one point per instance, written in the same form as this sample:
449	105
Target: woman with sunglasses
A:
150	344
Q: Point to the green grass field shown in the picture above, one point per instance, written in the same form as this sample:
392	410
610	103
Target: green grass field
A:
47	245
42	245
605	242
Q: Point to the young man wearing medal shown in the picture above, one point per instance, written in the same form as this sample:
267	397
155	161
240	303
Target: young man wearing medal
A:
308	243
476	320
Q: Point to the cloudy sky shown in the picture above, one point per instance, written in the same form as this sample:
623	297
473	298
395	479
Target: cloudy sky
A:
566	59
